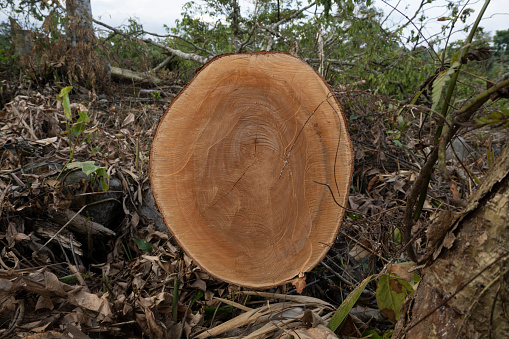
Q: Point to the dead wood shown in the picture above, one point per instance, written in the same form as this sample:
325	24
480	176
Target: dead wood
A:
79	223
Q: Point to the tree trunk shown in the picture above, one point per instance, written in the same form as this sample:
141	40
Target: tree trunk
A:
79	16
236	167
464	291
21	38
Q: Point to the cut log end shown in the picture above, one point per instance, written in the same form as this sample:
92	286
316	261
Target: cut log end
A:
235	162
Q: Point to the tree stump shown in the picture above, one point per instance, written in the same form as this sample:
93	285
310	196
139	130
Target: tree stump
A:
236	164
464	289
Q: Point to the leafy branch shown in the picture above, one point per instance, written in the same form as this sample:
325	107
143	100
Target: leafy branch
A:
419	188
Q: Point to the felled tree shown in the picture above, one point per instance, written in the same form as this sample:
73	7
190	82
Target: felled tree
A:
239	163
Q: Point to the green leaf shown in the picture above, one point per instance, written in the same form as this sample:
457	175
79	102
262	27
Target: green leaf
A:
83	117
88	167
143	245
103	178
391	292
416	279
372	334
69	279
63	97
397	236
456	59
197	296
401	122
347	304
414	100
438	84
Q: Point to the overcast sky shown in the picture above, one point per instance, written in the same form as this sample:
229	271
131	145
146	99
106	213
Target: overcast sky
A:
153	14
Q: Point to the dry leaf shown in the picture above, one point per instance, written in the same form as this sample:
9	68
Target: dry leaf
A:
449	240
455	193
200	284
299	283
44	302
320	332
359	252
128	120
401	270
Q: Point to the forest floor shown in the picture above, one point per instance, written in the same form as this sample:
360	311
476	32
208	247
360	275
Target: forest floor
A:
123	275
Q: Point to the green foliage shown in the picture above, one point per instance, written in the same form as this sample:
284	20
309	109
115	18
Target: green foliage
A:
498	119
90	169
347	304
391	292
71	278
501	41
74	131
63	97
397	236
132	54
5	44
360	50
27	8
144	245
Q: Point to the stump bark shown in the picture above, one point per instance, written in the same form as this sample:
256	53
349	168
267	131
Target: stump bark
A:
235	163
464	291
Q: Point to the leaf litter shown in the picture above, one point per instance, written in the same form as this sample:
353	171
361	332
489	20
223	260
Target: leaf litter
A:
67	270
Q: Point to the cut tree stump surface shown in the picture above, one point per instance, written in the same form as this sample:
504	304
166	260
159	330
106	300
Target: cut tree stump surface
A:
234	163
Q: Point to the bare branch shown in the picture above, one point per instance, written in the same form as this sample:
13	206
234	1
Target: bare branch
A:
294	15
418	30
164	63
272	29
176	52
181	38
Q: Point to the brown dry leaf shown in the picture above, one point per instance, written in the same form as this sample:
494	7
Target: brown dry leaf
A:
75	333
164	302
44	302
401	270
398	185
359	252
36	326
135	219
351	326
311	319
200	284
53	284
46	335
128	120
152	326
11	233
449	240
359	154
320	332
372	182
455	193
353	202
94	303
299	283
375	130
193	320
